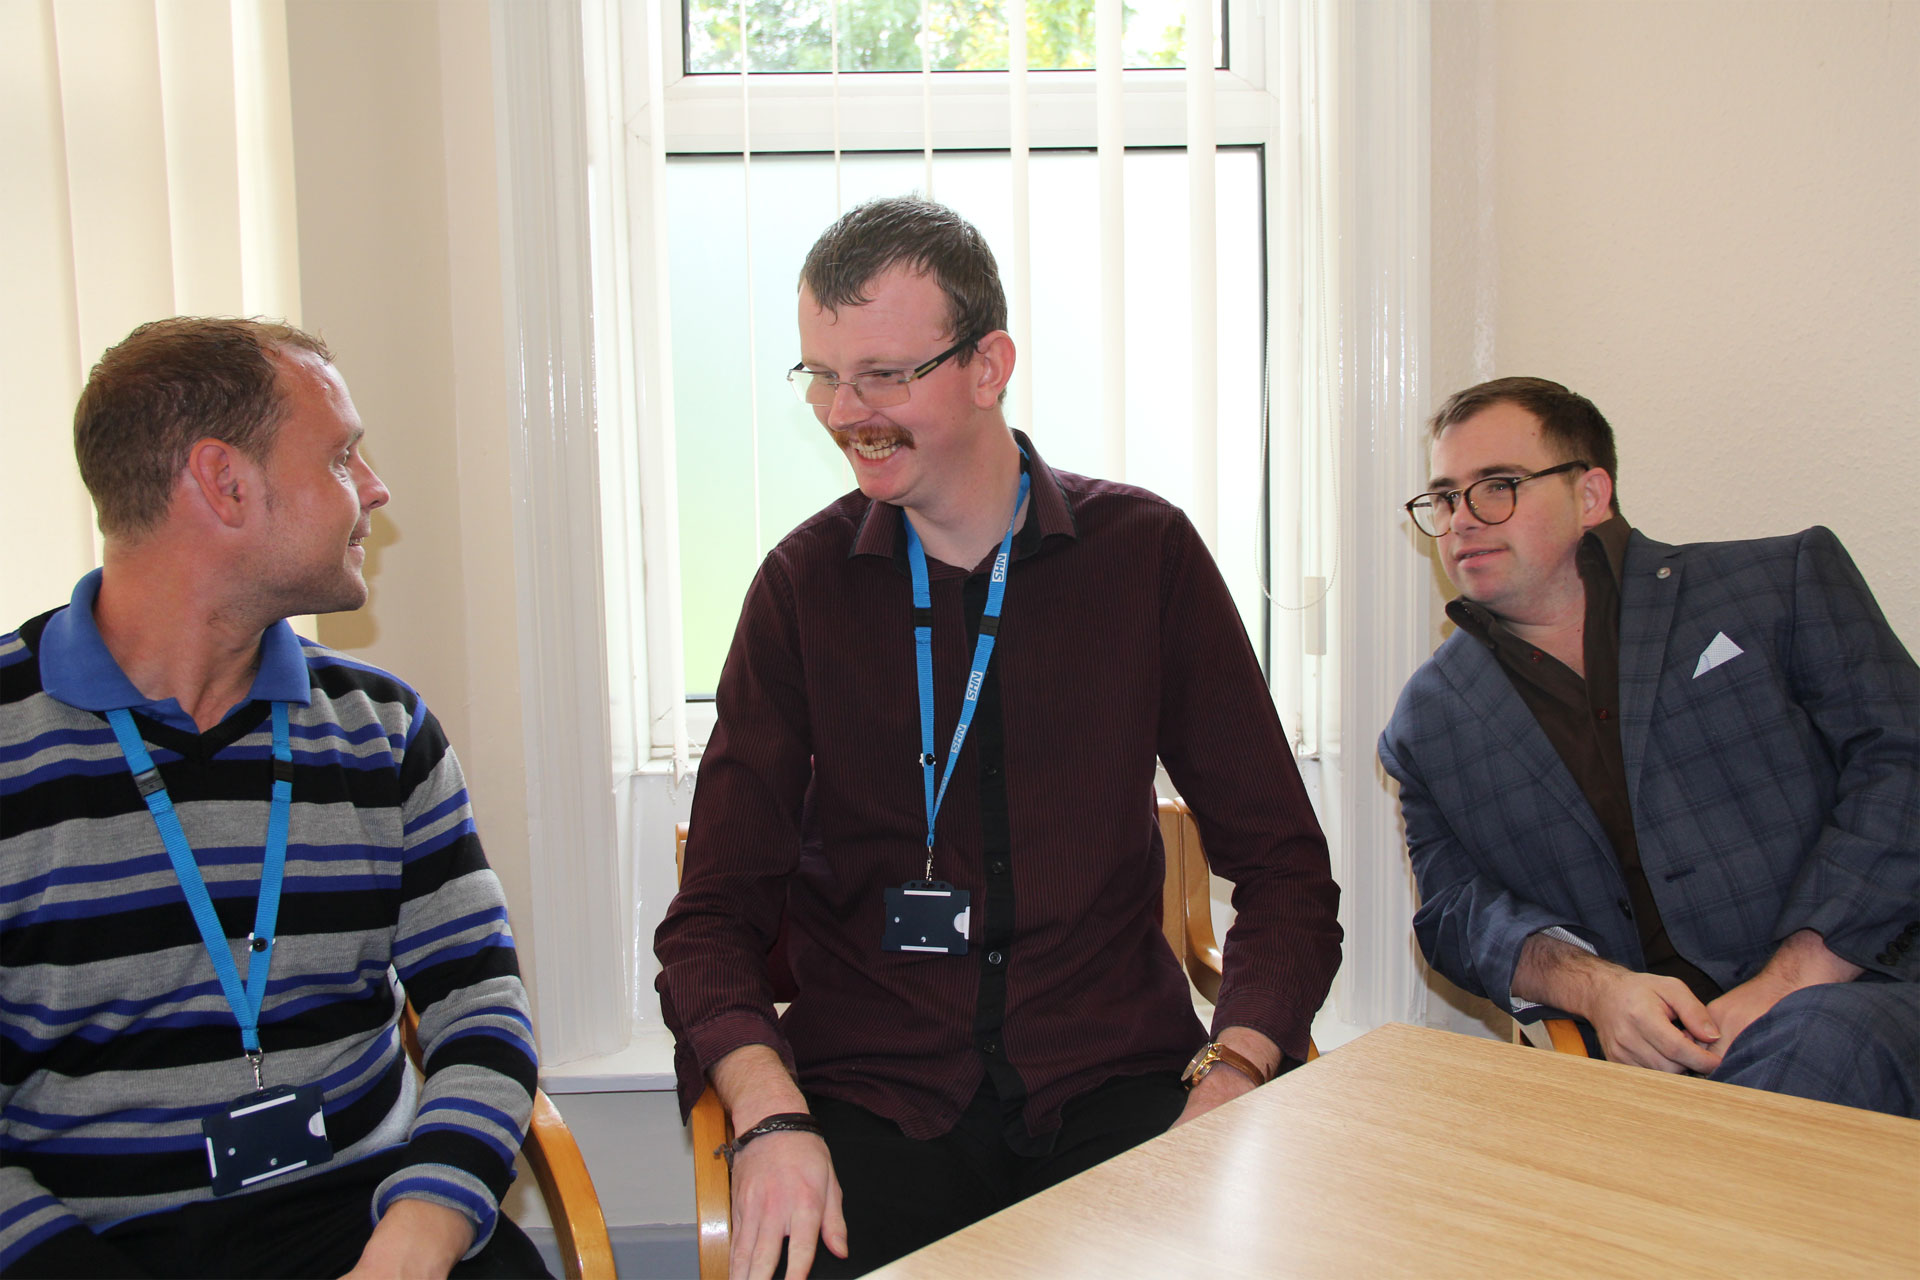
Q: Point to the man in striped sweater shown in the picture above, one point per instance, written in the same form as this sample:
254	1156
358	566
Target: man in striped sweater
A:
229	857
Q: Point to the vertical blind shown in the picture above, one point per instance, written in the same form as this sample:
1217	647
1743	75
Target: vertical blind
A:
1112	338
149	172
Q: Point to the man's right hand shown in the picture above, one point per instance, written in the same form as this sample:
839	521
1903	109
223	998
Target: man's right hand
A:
1634	1014
783	1183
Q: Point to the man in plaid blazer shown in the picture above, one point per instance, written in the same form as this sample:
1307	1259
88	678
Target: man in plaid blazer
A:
1674	791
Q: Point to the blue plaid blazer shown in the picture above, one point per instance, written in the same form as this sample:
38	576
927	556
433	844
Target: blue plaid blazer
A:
1770	721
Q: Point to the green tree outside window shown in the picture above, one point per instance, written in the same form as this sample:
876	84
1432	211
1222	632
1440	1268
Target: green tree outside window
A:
883	35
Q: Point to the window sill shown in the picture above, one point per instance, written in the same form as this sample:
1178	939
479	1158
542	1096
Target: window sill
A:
644	1066
661	765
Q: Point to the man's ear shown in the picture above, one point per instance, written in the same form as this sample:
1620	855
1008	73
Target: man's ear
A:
1596	497
222	480
991	368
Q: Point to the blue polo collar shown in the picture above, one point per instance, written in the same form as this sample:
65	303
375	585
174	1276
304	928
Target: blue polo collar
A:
77	668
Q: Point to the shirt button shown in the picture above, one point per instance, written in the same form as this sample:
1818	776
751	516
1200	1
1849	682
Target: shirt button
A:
1604	714
1535	655
998	866
1626	908
990	1048
991	771
995	958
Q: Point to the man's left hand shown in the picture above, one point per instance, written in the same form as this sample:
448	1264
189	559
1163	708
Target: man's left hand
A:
1801	961
1224	1083
414	1240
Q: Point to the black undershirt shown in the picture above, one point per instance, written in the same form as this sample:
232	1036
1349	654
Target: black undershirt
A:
1581	719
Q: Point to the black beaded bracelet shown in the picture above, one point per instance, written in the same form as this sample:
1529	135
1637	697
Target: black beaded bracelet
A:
780	1122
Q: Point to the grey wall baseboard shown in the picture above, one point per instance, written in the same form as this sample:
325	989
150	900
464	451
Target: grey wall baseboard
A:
670	1251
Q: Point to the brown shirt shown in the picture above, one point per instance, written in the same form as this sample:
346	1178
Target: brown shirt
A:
1117	642
1581	719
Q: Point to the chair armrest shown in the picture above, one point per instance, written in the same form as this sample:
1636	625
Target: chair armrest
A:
1562	1035
1204	961
1186	904
580	1229
709	1127
566	1188
1203	957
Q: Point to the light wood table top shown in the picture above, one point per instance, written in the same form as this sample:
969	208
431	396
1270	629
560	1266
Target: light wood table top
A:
1418	1152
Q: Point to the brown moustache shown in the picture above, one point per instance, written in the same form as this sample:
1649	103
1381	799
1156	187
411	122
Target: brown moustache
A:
847	439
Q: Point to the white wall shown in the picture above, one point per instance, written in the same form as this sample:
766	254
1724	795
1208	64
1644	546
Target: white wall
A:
1702	215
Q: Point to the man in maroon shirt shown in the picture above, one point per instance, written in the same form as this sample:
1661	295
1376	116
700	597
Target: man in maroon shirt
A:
934	767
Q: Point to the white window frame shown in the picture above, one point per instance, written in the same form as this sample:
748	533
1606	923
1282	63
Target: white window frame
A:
792	111
586	825
888	111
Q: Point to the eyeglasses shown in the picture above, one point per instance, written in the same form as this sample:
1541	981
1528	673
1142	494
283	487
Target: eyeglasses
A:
877	388
1491	500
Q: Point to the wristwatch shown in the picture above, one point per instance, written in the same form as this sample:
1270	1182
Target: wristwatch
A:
1218	1055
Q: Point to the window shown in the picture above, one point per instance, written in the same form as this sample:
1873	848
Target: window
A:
742	489
1333	94
748	169
966	35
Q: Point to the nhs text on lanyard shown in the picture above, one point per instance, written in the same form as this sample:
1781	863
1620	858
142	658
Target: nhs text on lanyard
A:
926	914
269	1132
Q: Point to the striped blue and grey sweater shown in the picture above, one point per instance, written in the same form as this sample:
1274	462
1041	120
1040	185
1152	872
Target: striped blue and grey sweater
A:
115	1037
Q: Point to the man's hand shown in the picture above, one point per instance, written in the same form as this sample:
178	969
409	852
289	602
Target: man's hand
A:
414	1240
784	1189
1224	1083
1801	961
783	1183
1633	1013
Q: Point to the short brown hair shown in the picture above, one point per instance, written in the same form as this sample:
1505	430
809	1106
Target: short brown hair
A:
1568	420
165	386
872	238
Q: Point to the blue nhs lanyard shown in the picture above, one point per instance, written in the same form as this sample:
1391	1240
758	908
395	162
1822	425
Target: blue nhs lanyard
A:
923	658
246	1002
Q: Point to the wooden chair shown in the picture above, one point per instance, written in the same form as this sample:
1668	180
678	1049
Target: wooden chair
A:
1562	1035
1187	904
709	1127
1186	908
579	1228
1186	916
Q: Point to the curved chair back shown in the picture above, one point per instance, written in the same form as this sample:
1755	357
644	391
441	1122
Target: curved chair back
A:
573	1206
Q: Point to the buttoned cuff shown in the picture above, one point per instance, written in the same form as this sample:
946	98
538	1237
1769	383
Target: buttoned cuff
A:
696	1052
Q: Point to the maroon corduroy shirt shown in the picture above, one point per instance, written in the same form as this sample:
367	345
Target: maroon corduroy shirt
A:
1117	642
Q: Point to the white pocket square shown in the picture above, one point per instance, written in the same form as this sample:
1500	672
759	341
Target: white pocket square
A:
1721	650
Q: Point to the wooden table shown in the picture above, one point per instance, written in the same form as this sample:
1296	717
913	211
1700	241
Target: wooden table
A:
1421	1153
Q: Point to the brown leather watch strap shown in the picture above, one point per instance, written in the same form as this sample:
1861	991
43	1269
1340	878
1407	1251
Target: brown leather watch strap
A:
1219	1055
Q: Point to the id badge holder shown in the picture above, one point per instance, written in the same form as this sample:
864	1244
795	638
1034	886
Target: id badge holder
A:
261	1136
926	915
